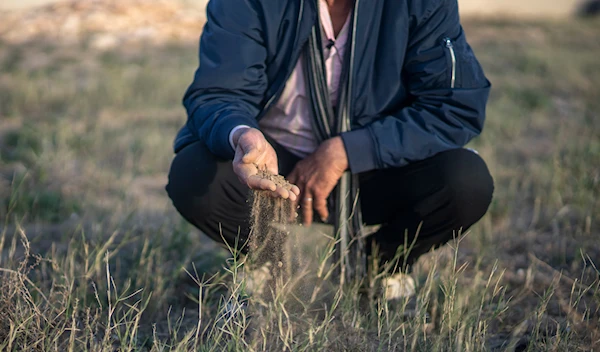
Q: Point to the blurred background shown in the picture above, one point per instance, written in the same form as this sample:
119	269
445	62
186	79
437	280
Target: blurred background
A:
90	95
468	7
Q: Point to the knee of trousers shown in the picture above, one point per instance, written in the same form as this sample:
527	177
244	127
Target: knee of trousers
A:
192	173
470	185
206	192
196	210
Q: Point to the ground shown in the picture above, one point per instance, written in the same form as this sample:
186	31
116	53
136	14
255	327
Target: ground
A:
93	256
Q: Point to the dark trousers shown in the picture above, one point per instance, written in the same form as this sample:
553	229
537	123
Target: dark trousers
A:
442	195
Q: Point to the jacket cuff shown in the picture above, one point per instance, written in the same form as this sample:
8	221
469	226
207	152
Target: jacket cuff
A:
233	131
360	149
220	138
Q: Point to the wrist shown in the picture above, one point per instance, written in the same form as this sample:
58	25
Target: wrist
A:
338	151
236	133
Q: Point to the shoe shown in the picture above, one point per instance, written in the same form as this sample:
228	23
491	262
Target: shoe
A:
398	286
254	280
248	283
399	289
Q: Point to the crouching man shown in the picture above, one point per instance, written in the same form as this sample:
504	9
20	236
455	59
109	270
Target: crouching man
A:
403	72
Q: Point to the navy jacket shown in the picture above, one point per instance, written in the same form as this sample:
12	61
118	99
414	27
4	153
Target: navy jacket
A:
418	88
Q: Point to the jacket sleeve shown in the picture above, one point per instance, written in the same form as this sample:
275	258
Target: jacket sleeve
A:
438	117
230	82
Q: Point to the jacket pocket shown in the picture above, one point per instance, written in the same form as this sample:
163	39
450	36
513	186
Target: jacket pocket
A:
463	71
452	63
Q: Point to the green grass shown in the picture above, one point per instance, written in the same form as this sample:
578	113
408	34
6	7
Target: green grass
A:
93	256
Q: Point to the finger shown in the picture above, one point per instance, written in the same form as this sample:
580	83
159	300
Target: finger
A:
321	208
292	195
250	151
307	210
295	190
257	182
282	192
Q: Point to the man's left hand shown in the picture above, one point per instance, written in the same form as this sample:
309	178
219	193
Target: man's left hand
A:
317	176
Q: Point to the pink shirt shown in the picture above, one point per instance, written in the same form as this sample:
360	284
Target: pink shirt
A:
289	120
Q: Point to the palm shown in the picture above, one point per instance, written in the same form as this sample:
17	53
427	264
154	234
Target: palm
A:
254	153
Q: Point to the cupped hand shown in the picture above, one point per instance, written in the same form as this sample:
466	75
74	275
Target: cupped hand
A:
317	176
254	153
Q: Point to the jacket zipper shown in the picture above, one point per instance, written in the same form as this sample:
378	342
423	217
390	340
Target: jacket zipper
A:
450	47
348	124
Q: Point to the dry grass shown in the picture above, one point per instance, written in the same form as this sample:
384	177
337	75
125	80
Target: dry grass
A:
93	257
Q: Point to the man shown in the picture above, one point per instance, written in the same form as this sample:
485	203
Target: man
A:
417	96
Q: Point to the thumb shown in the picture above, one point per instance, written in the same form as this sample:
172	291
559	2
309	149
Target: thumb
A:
250	157
250	151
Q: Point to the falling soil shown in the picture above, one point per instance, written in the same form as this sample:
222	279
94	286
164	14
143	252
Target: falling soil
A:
270	220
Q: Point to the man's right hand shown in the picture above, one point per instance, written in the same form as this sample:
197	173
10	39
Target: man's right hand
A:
253	152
